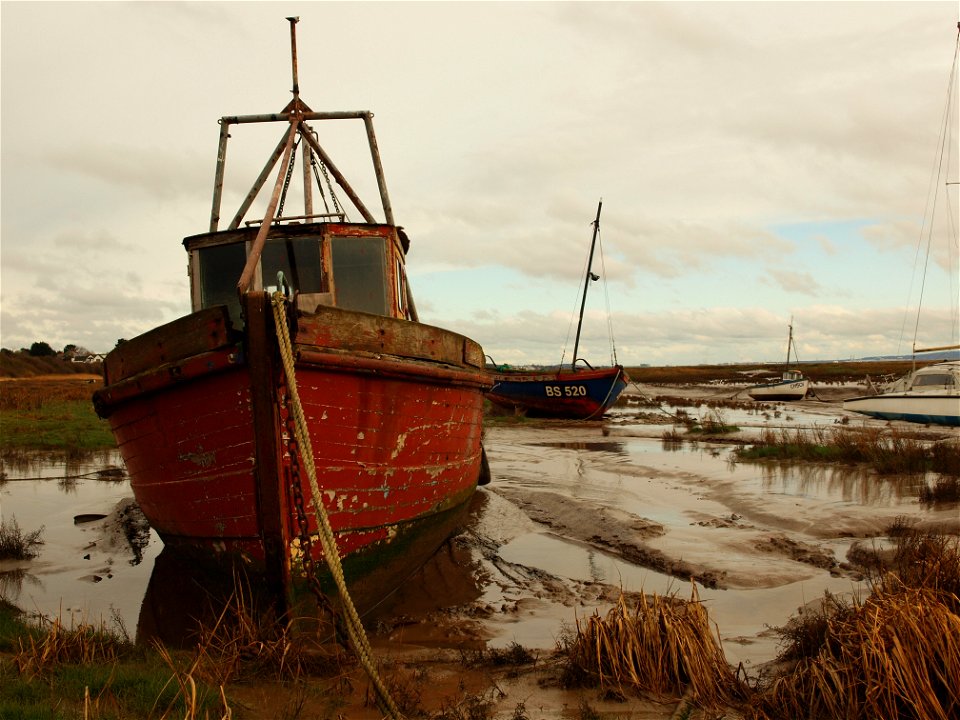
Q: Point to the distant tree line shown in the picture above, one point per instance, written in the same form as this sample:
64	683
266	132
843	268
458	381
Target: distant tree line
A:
43	349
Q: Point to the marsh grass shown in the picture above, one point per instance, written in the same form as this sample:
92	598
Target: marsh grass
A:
713	422
245	641
68	424
889	452
100	671
52	670
672	437
894	655
897	655
15	544
943	490
662	646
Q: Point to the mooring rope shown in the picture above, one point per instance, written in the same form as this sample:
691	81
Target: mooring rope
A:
358	635
609	392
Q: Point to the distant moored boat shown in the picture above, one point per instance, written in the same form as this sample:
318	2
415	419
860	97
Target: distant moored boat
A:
576	393
792	385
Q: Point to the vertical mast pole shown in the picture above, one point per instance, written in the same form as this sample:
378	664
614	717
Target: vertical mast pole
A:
378	169
218	176
297	110
293	56
789	342
586	283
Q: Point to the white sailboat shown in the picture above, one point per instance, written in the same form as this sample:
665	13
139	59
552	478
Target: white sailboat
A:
929	394
792	385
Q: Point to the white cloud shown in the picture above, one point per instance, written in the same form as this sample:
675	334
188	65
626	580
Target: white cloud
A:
705	127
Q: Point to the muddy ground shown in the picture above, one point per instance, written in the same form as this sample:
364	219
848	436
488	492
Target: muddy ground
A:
576	513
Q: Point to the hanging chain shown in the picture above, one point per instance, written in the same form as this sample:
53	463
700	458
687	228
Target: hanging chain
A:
286	180
326	179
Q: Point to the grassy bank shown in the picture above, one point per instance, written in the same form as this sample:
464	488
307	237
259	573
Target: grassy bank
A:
55	413
888	451
49	671
21	365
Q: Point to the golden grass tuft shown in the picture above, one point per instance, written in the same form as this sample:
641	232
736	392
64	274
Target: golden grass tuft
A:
897	655
59	645
662	646
247	642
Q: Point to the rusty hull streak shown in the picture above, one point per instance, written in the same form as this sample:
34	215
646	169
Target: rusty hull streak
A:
204	459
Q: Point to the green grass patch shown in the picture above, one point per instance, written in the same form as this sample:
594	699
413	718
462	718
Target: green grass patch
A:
48	671
888	452
70	424
712	428
713	423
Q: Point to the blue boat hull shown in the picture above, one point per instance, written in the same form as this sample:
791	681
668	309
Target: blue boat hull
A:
576	395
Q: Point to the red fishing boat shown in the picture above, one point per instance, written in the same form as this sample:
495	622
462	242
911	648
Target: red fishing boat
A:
302	392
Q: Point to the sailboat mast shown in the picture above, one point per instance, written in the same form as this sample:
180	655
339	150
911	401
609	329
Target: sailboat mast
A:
789	342
586	283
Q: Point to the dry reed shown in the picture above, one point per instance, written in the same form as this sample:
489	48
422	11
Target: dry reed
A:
245	642
663	646
895	656
59	645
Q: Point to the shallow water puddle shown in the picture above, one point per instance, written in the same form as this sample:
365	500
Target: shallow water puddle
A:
86	569
743	618
776	536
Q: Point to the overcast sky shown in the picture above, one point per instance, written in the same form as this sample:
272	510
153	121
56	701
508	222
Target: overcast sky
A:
757	162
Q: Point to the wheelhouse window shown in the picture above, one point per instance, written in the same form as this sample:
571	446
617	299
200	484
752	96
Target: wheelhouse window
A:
298	258
400	289
220	266
359	271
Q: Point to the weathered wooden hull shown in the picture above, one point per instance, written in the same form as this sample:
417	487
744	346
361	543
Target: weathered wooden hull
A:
580	395
393	411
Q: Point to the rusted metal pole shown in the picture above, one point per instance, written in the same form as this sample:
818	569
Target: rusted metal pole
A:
255	251
293	55
258	183
378	169
285	116
218	176
305	159
341	180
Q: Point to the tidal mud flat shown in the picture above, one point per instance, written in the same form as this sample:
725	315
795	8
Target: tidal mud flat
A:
575	514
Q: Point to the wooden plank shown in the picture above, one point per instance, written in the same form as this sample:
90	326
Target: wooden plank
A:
197	333
362	332
268	473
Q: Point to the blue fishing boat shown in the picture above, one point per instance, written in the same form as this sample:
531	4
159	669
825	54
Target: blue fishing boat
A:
563	391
